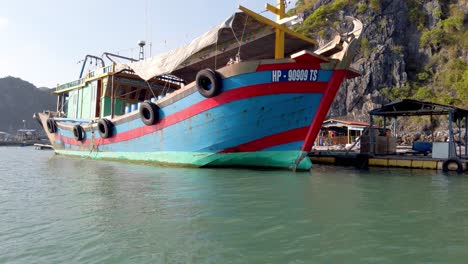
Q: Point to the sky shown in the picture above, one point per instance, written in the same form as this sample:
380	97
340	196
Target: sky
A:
42	41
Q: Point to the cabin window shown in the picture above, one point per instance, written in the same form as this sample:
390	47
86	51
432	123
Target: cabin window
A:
142	95
120	90
133	93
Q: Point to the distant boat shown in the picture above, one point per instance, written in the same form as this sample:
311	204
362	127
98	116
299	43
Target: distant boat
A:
228	98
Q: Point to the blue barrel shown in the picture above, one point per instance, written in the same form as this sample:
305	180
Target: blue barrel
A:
138	105
422	146
128	109
134	107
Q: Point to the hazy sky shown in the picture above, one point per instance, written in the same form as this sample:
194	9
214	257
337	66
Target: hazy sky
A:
41	41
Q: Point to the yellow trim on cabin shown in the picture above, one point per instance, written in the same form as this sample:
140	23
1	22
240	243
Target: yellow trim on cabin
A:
84	83
106	74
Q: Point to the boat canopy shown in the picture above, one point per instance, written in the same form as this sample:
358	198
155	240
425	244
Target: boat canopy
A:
239	36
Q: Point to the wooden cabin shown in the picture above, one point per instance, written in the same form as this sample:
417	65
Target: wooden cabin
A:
339	132
106	92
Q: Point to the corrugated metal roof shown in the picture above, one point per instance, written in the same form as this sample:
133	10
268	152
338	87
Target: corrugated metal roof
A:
410	107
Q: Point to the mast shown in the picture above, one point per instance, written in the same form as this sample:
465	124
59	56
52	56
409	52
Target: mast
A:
279	41
279	25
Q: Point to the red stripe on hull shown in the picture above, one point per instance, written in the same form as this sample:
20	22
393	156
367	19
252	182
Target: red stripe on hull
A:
270	141
207	104
322	111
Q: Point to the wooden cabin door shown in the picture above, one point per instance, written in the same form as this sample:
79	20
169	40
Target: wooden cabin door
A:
98	98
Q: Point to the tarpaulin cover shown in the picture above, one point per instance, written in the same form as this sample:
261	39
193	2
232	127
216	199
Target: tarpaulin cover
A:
215	48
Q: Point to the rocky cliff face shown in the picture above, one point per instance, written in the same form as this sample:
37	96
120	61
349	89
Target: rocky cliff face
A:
406	45
382	60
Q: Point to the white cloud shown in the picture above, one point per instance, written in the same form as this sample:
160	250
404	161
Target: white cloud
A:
3	23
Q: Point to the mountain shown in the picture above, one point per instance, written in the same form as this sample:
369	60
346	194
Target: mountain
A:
19	100
410	49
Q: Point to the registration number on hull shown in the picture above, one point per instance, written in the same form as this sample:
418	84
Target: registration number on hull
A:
297	75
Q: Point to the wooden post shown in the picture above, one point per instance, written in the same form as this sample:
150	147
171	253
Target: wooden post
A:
279	41
451	150
349	136
466	135
58	103
371	135
459	136
432	130
112	97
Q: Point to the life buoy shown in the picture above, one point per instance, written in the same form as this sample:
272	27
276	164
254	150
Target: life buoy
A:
105	127
208	82
78	132
149	113
51	125
448	165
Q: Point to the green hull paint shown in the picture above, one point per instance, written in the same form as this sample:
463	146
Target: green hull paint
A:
275	159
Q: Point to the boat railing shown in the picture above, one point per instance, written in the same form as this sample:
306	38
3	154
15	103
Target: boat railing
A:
70	84
90	75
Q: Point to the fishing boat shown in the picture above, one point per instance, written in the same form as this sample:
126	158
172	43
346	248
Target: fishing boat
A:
249	92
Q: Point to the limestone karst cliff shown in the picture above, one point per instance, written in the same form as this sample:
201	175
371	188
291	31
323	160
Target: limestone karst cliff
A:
410	49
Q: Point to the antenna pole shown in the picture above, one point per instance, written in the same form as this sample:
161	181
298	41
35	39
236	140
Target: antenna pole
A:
142	50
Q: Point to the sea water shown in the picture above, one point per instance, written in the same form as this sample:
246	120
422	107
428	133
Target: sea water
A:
56	209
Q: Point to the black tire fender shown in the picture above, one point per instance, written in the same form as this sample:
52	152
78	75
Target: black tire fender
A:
209	83
105	128
78	132
51	125
447	163
149	113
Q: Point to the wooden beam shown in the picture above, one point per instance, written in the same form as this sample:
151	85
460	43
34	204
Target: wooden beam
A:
276	25
274	10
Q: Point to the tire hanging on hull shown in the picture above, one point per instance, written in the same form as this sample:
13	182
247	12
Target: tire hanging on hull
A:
105	128
149	113
78	132
208	83
51	125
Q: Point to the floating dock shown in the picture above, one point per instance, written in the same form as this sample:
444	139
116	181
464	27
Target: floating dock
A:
362	161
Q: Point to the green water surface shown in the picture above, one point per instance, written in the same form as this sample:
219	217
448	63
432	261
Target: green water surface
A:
57	209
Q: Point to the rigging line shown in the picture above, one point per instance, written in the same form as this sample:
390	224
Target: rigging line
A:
125	94
233	33
243	31
150	88
216	52
242	35
164	88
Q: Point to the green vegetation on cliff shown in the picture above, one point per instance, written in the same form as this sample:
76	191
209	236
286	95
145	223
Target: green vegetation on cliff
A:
432	45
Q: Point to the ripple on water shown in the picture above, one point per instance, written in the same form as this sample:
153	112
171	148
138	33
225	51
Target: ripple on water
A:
64	210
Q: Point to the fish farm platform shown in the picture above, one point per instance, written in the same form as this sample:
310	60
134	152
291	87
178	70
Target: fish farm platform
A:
362	161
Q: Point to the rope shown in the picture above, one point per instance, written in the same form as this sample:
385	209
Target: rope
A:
216	53
164	88
151	89
243	31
